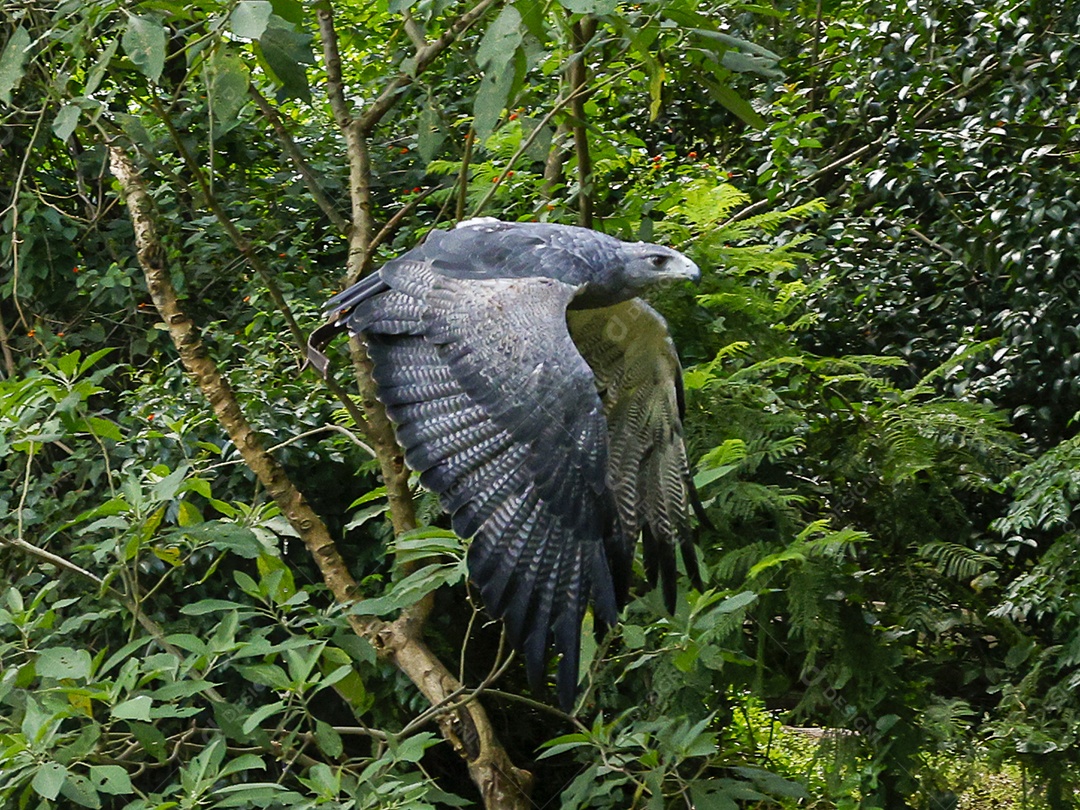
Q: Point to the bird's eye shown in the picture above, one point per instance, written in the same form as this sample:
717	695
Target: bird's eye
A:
658	261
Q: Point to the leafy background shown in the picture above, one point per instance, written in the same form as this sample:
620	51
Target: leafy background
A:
881	367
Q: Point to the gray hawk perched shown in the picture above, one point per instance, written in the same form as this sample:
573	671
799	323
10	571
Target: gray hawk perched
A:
542	401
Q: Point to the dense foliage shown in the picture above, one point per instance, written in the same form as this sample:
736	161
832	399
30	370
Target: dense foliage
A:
881	377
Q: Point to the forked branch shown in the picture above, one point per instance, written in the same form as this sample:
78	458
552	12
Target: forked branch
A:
468	729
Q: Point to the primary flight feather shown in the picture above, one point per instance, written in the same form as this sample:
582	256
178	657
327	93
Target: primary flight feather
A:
542	401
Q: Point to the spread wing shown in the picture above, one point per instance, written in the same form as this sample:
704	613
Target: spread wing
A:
640	382
500	414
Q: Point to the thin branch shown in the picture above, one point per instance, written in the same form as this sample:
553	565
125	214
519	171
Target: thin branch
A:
152	628
255	261
5	347
559	104
414	31
378	428
422	59
238	239
395	221
356	147
501	784
302	166
204	372
328	428
539	706
840	162
582	31
932	243
49	557
463	176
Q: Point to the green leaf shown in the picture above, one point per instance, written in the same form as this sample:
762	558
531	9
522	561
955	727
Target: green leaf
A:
727	41
48	780
151	738
412	749
227	536
144	43
189	642
328	739
137	708
597	7
411	589
81	791
500	40
292	11
104	428
633	636
244	762
706	477
748	63
12	62
250	18
567	742
656	86
773	783
429	137
286	51
491	98
111	779
101	64
260	714
227	79
66	120
64	662
204	606
36	722
736	602
735	104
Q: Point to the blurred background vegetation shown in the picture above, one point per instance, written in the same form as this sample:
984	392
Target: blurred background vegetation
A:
881	370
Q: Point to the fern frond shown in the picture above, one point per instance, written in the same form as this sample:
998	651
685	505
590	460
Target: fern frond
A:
734	565
923	386
956	561
704	204
770	221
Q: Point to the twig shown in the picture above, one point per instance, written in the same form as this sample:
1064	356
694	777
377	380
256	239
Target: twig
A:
5	347
152	628
204	371
298	160
539	706
238	239
423	58
49	557
328	428
582	31
463	177
414	31
394	222
559	104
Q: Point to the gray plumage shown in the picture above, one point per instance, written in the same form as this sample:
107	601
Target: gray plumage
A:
542	401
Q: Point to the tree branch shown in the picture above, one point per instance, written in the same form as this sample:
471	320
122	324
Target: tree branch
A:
378	429
582	31
5	347
204	372
468	730
423	58
298	161
241	242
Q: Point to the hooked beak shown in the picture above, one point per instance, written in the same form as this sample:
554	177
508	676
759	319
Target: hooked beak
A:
679	268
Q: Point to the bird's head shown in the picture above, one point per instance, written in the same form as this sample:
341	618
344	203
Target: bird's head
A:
648	265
